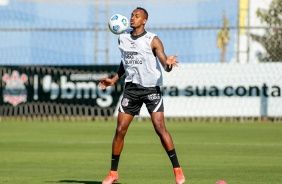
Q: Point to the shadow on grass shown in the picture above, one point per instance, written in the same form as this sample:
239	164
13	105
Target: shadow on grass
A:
84	182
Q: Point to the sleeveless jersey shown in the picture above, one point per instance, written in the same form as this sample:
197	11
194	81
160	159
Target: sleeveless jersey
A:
140	64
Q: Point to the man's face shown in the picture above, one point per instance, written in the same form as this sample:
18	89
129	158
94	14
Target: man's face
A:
138	18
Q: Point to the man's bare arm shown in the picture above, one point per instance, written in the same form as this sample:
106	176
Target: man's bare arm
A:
158	49
105	82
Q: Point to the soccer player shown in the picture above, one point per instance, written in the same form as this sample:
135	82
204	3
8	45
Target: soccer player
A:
139	52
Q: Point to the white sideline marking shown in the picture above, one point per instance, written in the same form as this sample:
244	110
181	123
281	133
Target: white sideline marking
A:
189	143
141	142
233	144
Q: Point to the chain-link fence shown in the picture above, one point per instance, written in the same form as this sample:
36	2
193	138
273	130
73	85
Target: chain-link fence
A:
38	32
75	33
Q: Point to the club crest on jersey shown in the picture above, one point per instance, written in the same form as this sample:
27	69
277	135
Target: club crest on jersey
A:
125	102
15	91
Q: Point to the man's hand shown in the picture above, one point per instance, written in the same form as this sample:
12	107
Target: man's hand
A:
105	82
171	61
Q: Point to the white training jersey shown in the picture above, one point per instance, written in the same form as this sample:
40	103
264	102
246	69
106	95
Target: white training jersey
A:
140	64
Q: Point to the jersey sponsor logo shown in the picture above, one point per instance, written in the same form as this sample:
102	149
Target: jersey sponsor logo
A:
131	58
131	62
154	96
125	102
130	53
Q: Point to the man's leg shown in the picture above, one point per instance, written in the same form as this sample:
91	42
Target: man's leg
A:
123	122
167	142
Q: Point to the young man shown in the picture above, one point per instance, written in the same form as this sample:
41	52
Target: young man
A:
139	52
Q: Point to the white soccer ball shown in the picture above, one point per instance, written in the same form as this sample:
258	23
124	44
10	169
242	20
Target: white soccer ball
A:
118	23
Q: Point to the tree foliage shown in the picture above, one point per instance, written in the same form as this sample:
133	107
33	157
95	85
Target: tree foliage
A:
272	39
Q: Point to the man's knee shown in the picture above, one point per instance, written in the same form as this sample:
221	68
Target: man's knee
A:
160	128
121	131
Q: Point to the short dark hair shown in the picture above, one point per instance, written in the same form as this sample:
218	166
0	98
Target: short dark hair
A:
144	10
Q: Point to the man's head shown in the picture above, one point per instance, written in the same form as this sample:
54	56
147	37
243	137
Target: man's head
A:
145	11
139	17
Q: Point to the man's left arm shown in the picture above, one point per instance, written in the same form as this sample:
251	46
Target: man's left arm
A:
158	49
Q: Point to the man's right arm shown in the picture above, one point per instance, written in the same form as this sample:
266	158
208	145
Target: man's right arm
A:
105	82
120	70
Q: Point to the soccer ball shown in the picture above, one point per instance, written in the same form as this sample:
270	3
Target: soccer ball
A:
118	23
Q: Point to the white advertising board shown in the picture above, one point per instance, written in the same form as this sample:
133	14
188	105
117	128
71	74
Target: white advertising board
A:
222	90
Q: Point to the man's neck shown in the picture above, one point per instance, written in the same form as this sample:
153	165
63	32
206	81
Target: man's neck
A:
137	32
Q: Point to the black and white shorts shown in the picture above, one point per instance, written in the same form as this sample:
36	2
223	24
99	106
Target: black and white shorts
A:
135	95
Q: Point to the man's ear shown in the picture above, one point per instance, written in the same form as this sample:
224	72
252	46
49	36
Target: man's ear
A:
144	21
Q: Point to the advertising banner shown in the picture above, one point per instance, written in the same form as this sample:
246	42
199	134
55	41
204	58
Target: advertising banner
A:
68	86
223	90
191	90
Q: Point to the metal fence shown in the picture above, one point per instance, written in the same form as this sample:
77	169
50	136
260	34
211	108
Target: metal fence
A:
38	32
74	32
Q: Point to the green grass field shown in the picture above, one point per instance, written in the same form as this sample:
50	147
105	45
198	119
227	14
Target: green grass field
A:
79	152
